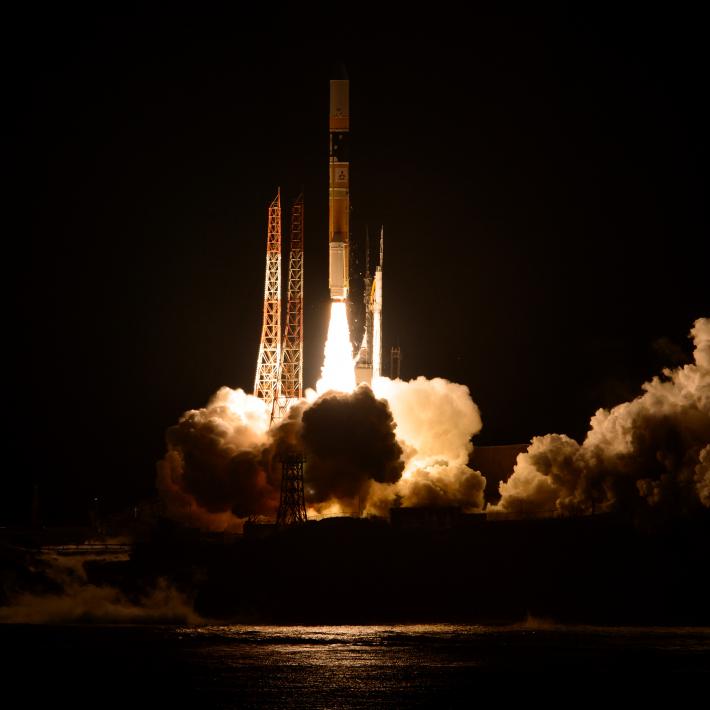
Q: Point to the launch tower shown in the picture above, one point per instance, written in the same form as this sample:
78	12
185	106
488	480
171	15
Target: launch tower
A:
292	350
292	507
279	367
267	380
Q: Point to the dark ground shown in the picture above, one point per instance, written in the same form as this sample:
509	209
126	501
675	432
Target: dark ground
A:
597	570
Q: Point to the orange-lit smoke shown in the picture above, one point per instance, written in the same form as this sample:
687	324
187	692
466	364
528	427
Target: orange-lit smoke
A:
216	471
436	420
405	443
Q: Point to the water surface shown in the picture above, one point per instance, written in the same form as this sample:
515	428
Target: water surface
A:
329	667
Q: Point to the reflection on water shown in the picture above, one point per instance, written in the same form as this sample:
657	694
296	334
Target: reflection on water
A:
331	666
363	654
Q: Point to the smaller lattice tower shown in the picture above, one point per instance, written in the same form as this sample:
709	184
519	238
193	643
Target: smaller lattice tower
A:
267	380
292	349
292	506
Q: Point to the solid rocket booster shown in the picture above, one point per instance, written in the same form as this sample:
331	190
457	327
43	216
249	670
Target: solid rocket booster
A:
339	190
377	312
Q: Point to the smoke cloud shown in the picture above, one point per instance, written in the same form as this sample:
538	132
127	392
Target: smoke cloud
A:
405	443
349	440
650	454
436	420
216	470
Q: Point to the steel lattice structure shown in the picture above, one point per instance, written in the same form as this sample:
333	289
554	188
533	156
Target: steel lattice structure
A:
292	350
267	381
292	507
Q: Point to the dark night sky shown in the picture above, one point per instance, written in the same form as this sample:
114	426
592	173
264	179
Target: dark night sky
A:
540	180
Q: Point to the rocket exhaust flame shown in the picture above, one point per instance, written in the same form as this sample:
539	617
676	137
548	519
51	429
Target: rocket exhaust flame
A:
338	371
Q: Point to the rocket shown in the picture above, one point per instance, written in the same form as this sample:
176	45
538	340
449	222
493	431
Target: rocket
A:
339	190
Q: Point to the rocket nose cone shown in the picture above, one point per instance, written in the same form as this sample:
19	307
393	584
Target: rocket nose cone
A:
339	72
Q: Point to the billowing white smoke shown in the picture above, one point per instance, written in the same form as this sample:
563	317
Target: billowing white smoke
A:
408	444
651	453
435	421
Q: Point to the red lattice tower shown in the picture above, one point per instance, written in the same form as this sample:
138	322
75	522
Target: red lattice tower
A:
267	381
292	350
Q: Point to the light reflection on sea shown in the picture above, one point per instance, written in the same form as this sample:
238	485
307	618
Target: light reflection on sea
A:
426	659
235	666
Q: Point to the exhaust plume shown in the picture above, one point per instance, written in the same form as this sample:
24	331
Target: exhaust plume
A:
338	371
349	440
406	443
216	471
436	420
652	453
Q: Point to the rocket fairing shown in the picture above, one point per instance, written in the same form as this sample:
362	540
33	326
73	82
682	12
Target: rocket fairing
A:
339	191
